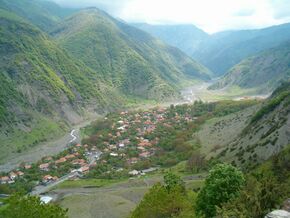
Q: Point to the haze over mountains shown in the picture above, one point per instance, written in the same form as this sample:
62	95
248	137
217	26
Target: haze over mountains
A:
220	51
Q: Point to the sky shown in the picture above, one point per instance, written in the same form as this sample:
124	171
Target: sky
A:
209	15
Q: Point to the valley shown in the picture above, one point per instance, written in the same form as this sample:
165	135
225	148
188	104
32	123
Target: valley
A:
54	146
104	115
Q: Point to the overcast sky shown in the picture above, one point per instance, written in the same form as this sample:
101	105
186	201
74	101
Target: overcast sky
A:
209	15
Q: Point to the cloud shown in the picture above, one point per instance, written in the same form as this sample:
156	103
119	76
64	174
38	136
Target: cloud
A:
212	16
245	12
280	8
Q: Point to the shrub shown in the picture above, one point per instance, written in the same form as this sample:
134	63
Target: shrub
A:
222	184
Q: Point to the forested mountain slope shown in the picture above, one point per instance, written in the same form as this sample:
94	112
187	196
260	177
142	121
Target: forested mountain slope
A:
262	72
41	84
42	13
129	59
223	50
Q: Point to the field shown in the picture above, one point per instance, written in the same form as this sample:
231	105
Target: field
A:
110	199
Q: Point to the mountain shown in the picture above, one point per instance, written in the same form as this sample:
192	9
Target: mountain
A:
129	59
267	132
185	37
223	50
44	14
91	63
262	72
43	87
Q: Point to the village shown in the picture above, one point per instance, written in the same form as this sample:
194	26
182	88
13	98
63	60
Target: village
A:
123	144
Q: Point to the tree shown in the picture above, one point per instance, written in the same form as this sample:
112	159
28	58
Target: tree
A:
19	206
196	162
171	181
168	200
261	194
222	184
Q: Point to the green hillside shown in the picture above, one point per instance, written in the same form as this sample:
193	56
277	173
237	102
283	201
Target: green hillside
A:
127	58
41	84
262	72
42	13
266	132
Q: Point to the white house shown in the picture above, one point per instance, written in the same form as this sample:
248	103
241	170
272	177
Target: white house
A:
133	173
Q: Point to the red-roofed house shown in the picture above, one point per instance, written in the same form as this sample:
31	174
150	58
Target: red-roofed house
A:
4	179
70	156
145	154
60	160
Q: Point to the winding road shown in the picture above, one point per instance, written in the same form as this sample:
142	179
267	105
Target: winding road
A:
45	149
74	137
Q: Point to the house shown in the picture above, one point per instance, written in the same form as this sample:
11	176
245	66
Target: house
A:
19	173
141	148
121	128
44	167
69	156
114	154
46	199
27	166
111	147
148	122
144	143
84	169
133	173
13	175
60	160
145	154
124	113
121	145
78	162
4	180
48	178
149	170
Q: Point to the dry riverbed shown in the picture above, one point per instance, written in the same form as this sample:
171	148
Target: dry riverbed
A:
45	149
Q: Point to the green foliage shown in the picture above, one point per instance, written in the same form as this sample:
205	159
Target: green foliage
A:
19	206
171	180
261	73
127	58
44	14
221	185
270	105
266	188
164	202
261	194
